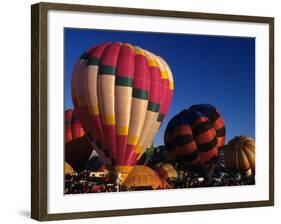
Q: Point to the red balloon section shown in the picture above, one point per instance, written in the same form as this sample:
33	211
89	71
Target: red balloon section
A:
73	127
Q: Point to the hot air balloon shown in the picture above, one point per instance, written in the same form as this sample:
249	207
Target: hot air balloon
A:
81	154
121	94
143	176
166	171
239	154
195	136
68	169
73	127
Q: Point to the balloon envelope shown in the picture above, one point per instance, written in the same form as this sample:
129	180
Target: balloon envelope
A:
143	176
240	153
194	136
68	169
166	171
121	94
73	127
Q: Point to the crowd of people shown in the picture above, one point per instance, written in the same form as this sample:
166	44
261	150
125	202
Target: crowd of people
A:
193	180
85	182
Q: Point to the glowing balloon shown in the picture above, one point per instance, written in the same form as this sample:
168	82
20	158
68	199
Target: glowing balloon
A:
143	176
121	94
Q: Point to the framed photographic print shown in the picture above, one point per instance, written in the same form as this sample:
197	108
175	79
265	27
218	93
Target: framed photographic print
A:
138	111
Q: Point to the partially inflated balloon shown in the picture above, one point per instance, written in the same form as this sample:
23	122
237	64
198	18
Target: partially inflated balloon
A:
121	94
143	176
68	169
194	136
73	127
166	171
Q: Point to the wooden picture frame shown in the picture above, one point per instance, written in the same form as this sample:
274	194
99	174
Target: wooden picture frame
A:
39	108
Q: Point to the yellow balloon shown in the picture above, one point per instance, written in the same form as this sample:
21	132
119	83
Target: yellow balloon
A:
143	176
239	153
68	169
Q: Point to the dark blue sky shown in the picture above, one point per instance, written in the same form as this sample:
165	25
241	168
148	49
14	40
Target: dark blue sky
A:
207	69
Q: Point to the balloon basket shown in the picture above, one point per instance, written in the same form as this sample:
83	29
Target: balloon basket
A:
123	171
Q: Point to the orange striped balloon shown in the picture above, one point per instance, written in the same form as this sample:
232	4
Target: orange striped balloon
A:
194	136
121	93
